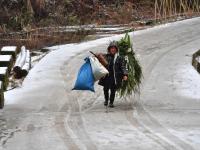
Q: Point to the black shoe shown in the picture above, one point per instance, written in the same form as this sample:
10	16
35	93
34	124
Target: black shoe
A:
111	105
106	103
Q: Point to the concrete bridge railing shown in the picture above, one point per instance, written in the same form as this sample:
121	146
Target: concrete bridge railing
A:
7	58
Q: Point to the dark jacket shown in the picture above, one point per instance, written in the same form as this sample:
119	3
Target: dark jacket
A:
117	69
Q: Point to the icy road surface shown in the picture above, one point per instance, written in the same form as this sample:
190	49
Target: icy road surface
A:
44	114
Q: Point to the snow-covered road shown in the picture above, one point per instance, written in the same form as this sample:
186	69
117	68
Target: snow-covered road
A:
45	114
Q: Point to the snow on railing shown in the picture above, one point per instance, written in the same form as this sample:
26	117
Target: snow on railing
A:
8	55
22	64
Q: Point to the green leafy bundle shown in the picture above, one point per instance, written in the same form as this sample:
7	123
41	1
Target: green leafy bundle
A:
132	85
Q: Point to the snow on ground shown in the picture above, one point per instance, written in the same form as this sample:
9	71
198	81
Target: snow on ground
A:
45	114
189	136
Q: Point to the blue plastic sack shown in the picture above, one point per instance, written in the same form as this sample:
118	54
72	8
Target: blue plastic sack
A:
85	78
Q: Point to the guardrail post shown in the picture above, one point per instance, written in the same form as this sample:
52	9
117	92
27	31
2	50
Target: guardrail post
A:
1	96
4	75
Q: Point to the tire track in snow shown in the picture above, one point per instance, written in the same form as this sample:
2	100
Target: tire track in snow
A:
150	124
132	118
62	125
163	140
75	121
63	131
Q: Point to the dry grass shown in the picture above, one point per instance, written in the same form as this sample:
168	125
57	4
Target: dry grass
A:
115	15
39	38
173	8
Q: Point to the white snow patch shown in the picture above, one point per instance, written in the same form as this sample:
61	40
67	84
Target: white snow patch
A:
5	57
3	70
191	136
9	48
189	84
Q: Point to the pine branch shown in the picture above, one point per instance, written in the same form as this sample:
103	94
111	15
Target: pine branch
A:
132	85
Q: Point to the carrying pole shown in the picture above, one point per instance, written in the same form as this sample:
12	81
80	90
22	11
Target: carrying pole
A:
93	54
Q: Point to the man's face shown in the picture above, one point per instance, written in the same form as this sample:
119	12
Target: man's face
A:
113	50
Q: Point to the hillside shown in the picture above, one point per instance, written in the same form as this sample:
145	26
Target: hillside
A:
18	14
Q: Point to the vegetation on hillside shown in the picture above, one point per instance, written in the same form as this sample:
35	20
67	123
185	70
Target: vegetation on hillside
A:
20	14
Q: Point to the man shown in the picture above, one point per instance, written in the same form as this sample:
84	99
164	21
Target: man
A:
117	72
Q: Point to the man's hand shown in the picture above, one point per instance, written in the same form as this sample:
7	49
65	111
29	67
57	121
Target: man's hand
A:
125	78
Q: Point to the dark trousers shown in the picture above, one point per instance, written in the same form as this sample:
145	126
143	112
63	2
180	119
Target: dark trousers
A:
112	94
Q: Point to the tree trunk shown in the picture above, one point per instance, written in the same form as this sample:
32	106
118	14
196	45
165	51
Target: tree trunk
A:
38	7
